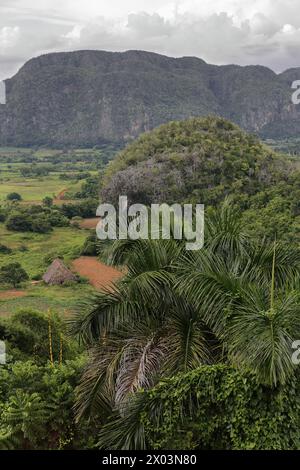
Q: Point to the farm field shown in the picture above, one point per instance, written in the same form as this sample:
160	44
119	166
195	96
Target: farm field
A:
35	252
59	175
99	275
60	299
37	174
35	190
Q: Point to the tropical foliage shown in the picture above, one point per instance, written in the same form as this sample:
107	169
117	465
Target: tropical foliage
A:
235	302
212	407
189	349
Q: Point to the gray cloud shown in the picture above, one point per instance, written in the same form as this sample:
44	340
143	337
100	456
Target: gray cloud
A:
265	32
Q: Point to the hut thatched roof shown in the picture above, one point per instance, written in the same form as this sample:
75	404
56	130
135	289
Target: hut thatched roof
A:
58	273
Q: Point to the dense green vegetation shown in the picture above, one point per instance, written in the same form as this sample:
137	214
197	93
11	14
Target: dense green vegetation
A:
42	192
212	407
191	349
204	161
231	309
34	174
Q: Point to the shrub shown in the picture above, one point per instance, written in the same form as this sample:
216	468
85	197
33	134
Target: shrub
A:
40	225
14	197
36	409
5	250
27	335
19	222
2	216
13	274
90	247
57	219
218	407
48	201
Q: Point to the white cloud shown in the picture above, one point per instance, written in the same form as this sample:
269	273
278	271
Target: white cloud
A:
223	31
8	36
75	33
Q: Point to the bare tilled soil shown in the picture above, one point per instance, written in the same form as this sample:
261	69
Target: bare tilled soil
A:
12	294
90	223
99	275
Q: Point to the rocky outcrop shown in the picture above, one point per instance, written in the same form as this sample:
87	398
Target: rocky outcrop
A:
89	97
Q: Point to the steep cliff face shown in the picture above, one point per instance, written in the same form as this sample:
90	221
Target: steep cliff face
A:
89	97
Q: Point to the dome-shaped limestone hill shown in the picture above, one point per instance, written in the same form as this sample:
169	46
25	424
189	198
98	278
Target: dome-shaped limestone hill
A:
199	160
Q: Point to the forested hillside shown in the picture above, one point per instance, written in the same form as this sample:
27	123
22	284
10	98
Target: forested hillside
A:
205	160
85	98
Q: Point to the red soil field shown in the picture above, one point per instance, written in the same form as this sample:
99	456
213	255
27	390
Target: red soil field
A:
12	294
90	223
98	273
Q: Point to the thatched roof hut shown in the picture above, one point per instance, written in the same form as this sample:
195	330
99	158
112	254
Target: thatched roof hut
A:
58	273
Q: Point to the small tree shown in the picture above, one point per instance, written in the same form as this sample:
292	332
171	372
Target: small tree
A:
48	201
13	273
2	216
14	197
19	222
5	250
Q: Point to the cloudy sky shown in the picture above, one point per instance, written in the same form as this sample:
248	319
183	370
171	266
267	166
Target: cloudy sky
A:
221	31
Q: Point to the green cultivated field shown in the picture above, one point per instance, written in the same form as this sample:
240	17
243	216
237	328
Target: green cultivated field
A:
63	300
35	174
36	189
34	251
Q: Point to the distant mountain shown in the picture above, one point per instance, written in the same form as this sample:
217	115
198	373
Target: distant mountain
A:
89	97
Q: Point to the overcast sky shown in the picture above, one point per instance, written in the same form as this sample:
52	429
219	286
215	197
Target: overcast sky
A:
263	32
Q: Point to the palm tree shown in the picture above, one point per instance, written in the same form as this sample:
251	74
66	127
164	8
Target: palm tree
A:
234	301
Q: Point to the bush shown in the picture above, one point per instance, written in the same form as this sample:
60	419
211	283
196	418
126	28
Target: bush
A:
48	201
83	280
36	409
40	225
57	219
216	407
5	250
19	339
84	209
2	216
90	247
36	219
13	274
27	335
19	222
13	197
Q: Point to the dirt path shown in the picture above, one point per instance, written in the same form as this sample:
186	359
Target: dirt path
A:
90	223
12	294
60	195
98	273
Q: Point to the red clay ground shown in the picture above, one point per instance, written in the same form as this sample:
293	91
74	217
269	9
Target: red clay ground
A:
89	223
98	273
12	294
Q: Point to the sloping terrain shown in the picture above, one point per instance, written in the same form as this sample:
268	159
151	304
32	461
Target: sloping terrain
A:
85	98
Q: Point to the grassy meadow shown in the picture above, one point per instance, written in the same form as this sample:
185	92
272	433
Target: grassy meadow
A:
35	174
